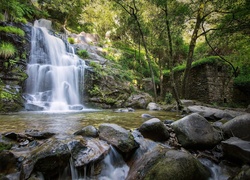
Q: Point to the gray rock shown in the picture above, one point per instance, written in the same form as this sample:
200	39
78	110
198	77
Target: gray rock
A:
91	151
7	162
139	101
88	131
238	127
195	131
162	163
39	135
49	159
237	149
213	114
248	109
147	116
154	129
153	106
118	137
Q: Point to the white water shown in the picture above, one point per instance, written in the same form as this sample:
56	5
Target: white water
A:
54	74
113	168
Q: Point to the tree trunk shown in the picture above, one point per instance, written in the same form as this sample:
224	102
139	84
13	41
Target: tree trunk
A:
171	62
191	51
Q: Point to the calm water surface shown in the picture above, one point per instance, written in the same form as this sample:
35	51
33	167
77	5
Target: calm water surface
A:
69	122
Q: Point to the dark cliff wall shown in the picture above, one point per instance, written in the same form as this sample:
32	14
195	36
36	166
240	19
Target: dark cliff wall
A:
12	69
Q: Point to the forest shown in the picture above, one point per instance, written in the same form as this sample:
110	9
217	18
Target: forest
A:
155	38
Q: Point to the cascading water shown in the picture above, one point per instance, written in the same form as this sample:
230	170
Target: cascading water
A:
54	74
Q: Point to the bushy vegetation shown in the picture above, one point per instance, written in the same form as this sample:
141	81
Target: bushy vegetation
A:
7	50
71	40
12	29
83	53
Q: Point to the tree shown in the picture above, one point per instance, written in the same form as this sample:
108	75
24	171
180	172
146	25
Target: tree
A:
131	8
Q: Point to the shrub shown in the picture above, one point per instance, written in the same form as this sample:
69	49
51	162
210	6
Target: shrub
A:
7	50
83	53
71	40
13	30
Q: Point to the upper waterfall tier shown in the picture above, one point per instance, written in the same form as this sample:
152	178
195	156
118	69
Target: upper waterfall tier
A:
54	75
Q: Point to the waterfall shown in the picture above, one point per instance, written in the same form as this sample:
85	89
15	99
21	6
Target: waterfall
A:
54	74
113	167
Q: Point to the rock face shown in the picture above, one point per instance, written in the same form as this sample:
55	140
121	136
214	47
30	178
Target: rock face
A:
139	101
12	69
238	127
195	131
237	149
154	129
118	137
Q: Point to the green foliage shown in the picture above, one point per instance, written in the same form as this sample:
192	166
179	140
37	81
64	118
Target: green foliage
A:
7	50
243	79
12	30
83	53
168	98
4	146
19	10
71	40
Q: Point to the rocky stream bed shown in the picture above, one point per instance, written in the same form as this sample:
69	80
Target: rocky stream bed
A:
206	143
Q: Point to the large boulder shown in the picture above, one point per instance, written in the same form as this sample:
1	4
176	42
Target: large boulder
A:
237	149
194	131
118	137
50	158
139	100
154	129
162	163
153	106
8	162
213	114
238	127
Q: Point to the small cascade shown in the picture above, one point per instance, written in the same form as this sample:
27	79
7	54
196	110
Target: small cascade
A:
113	167
54	74
217	172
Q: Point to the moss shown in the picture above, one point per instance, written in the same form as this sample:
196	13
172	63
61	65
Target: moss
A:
12	30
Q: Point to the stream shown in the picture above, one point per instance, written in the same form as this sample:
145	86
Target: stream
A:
69	122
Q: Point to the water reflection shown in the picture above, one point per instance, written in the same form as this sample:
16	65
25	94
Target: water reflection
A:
69	122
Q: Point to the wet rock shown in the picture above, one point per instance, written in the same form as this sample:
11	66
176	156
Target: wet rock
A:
248	109
124	110
196	132
238	127
213	114
118	137
7	163
237	149
33	107
244	174
88	131
153	106
168	121
162	163
11	135
76	107
50	159
147	116
39	135
186	102
154	129
83	153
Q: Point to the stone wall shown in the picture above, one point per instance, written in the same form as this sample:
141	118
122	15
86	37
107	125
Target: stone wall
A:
209	83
